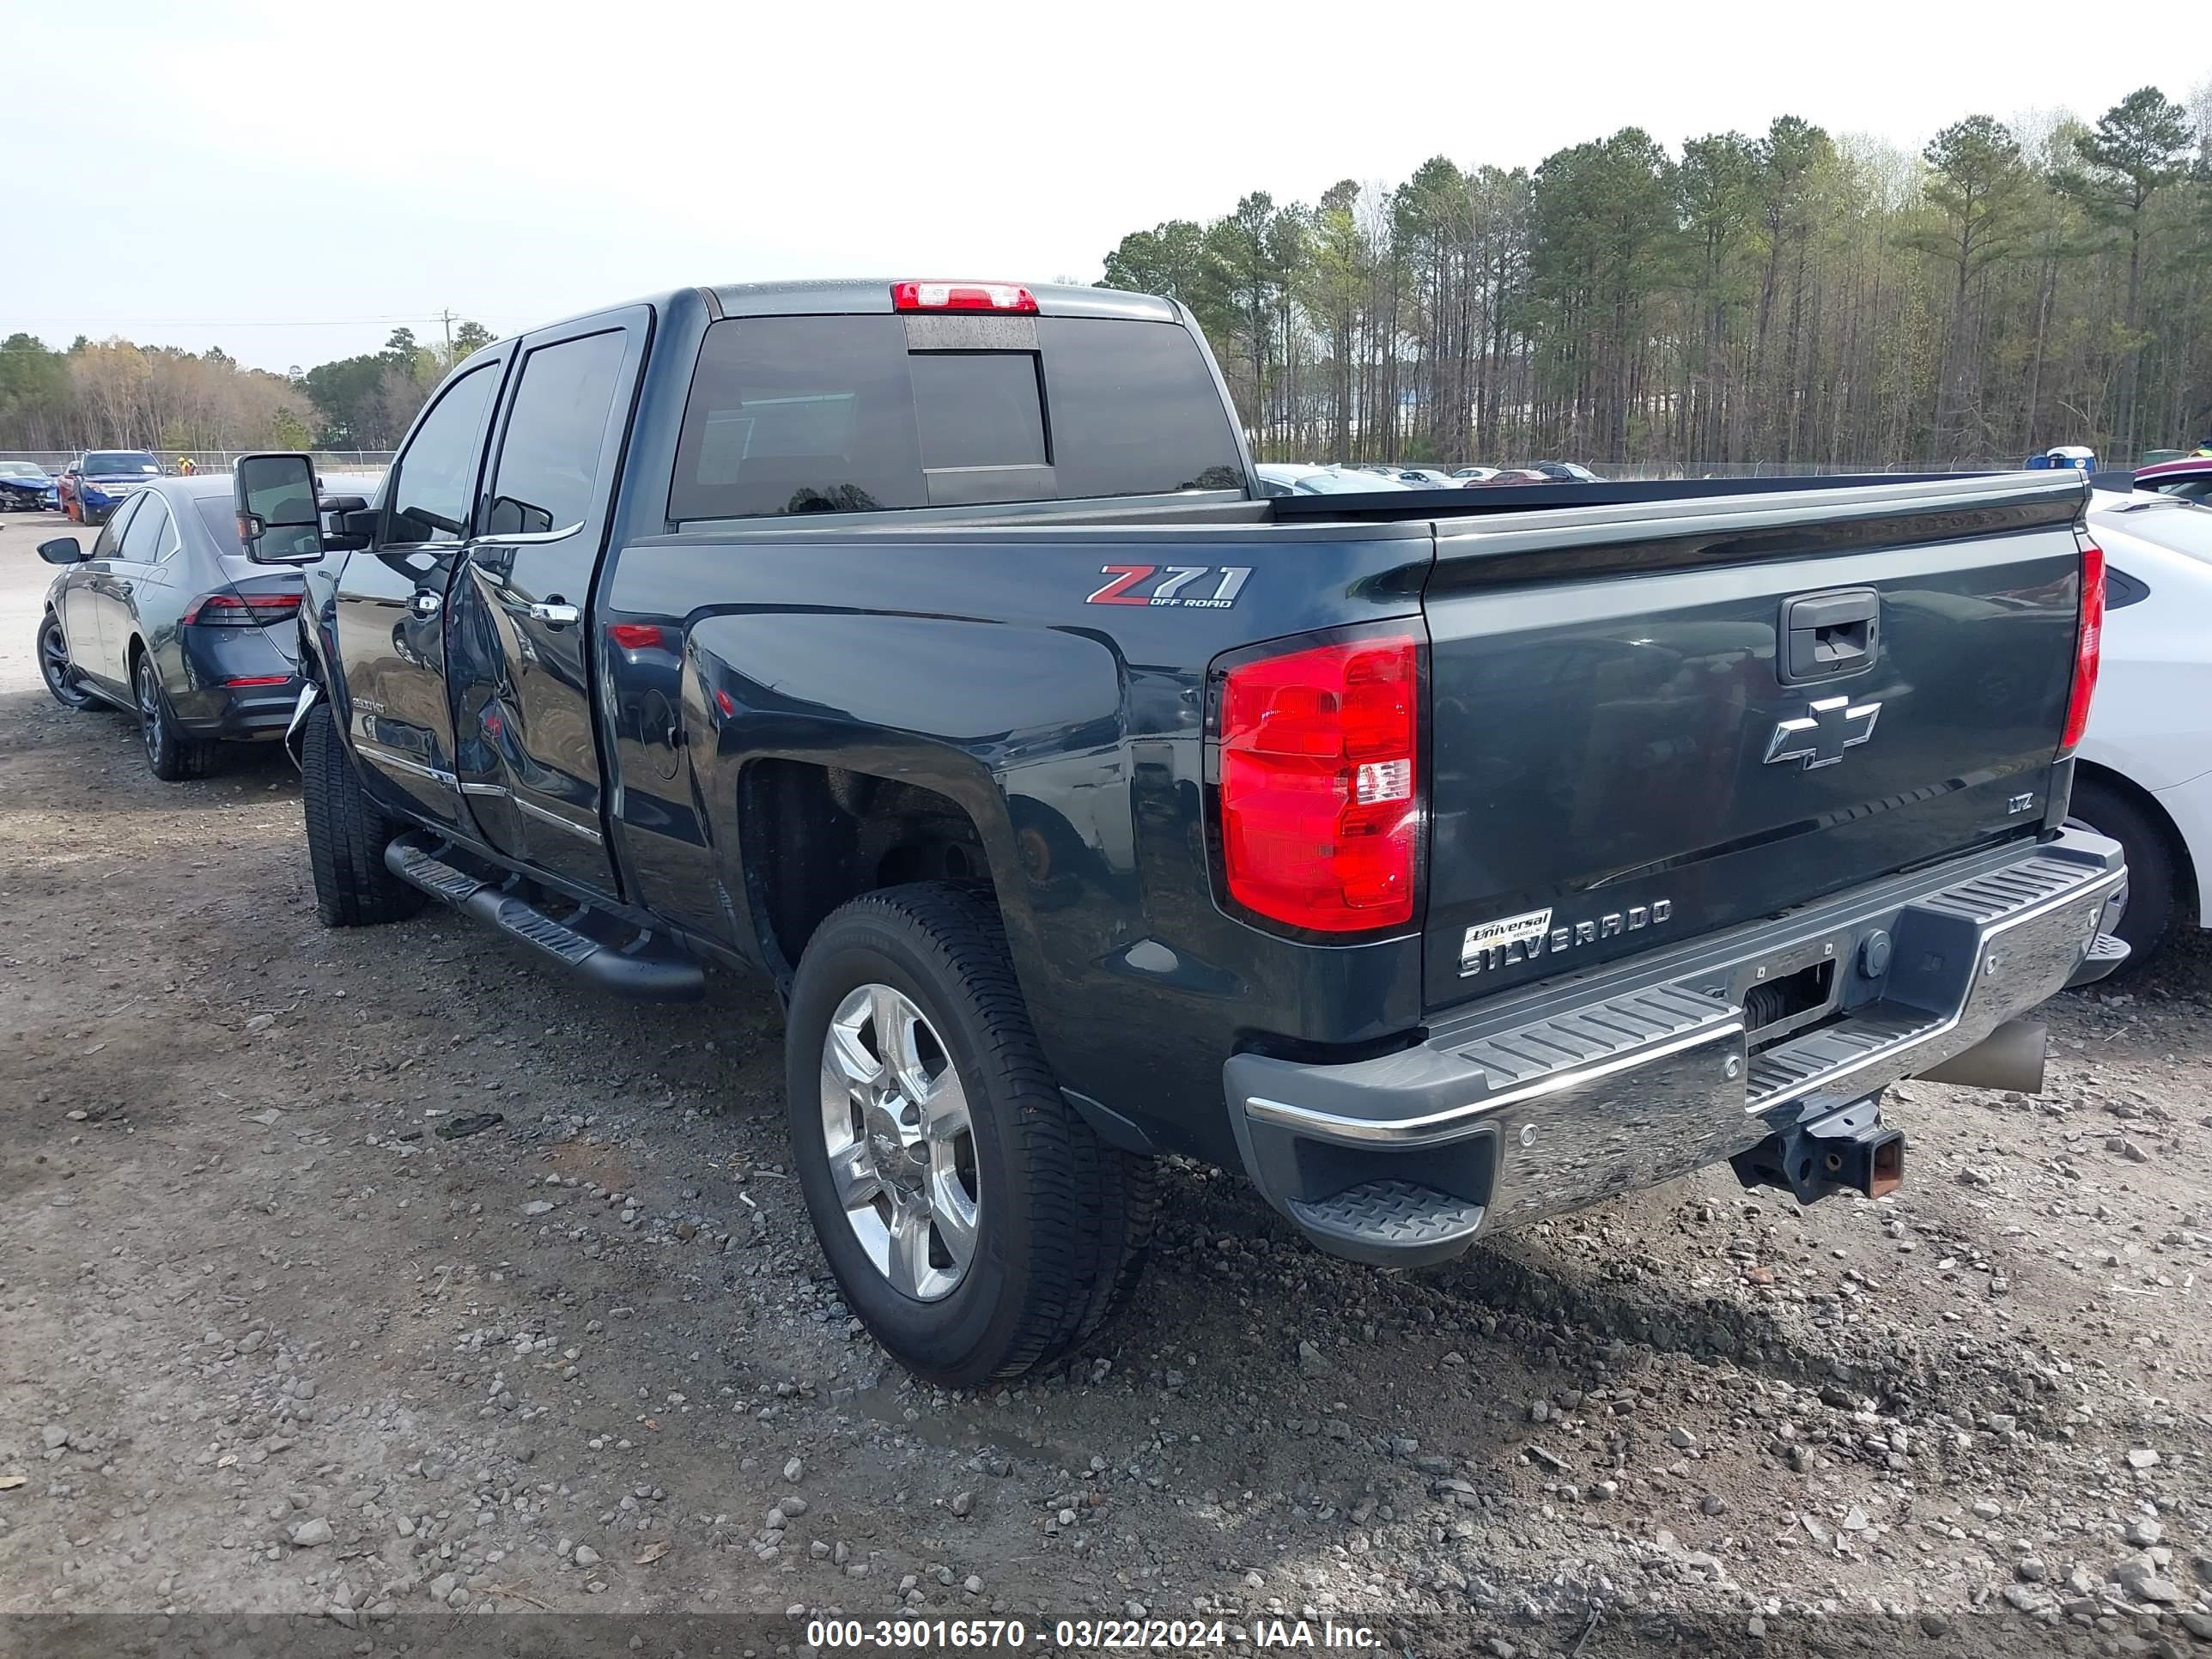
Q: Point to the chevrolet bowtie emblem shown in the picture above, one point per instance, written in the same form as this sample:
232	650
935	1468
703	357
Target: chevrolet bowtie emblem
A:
1830	727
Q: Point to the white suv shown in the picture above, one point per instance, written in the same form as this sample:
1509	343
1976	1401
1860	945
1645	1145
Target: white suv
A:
2143	772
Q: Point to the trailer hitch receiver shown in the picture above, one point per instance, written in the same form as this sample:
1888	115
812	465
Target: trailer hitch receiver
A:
1831	1152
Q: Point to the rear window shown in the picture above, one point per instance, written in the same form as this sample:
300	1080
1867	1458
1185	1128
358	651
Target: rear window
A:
831	414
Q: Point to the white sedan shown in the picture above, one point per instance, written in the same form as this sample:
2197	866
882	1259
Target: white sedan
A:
2143	772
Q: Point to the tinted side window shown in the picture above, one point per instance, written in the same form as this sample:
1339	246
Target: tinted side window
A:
436	490
549	461
110	533
798	415
1134	411
148	531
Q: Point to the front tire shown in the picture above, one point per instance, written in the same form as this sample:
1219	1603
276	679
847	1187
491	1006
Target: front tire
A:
171	756
2155	881
55	667
347	834
978	1226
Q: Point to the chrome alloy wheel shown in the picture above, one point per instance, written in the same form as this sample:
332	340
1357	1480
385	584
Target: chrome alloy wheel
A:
902	1145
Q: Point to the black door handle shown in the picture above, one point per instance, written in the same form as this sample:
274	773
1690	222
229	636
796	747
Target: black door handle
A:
1828	635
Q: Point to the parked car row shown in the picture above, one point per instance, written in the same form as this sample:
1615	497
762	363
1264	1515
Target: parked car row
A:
87	490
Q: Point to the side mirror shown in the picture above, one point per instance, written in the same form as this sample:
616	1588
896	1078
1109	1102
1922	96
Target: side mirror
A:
63	549
278	516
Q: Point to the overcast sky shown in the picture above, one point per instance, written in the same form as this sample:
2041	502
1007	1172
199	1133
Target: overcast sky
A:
289	181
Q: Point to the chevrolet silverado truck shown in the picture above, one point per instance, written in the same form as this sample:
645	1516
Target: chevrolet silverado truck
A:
1442	860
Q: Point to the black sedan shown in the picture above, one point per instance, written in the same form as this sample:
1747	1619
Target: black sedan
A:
165	617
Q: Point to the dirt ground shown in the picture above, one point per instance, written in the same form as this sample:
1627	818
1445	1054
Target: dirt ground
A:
271	1344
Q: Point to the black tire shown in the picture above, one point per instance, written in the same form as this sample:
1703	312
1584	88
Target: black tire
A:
347	834
1063	1219
171	755
2155	881
54	666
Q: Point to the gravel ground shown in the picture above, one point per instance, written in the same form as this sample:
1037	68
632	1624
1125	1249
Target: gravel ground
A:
278	1340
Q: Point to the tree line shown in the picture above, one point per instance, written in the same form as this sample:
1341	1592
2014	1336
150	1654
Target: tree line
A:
115	394
1792	297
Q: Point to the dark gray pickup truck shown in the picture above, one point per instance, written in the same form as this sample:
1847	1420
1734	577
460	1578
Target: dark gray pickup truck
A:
1442	860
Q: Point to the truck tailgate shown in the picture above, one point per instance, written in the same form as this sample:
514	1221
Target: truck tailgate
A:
1650	723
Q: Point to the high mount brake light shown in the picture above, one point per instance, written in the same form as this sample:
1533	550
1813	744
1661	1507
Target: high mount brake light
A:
241	610
2088	647
1320	784
960	297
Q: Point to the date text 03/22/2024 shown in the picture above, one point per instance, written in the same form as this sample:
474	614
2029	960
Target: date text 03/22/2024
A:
1085	1634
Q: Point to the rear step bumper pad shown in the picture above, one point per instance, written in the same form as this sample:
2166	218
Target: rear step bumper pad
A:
1576	1090
611	953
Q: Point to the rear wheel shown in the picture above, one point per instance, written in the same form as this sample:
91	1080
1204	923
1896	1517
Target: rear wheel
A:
171	756
347	834
2155	882
55	668
977	1225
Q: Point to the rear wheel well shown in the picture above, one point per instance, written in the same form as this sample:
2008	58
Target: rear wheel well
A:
2184	867
814	836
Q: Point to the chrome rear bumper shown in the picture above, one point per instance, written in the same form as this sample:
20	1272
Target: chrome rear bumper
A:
1576	1090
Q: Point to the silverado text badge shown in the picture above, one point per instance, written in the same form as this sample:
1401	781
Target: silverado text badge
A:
1491	945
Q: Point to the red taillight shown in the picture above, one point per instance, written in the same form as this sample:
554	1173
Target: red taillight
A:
259	679
2088	644
960	297
241	610
635	636
1319	785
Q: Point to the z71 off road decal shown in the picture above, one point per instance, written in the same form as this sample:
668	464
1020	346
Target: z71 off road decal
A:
1209	587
